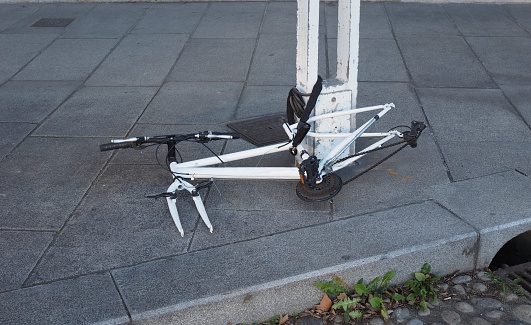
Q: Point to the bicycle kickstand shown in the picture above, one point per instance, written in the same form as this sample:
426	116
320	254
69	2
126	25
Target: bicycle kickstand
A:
178	185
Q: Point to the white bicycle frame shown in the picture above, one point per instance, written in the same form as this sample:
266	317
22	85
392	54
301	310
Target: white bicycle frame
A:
199	169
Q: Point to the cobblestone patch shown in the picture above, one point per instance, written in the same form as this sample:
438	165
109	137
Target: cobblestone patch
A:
523	313
465	299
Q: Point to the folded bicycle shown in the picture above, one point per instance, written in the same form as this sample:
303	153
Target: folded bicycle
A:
317	176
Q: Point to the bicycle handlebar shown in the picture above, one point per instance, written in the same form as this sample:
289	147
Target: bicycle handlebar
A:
216	135
161	139
113	146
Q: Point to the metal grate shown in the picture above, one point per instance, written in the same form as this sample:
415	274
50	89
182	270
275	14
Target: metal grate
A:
53	22
261	131
520	271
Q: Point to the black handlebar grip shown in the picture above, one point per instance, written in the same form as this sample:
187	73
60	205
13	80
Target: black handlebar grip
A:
113	146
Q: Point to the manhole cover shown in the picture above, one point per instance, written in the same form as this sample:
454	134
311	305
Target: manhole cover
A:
53	22
520	271
261	131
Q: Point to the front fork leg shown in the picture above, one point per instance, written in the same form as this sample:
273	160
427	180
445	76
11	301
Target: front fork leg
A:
201	209
175	214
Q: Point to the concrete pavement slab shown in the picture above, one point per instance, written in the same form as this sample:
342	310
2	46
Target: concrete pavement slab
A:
280	18
19	254
520	97
231	226
262	100
328	20
244	269
506	59
497	205
194	103
98	237
106	20
33	101
12	134
41	187
98	111
173	18
200	60
139	60
18	50
231	20
52	10
521	13
469	159
373	21
496	141
12	13
323	67
67	59
485	20
91	299
274	60
419	19
443	61
453	112
379	60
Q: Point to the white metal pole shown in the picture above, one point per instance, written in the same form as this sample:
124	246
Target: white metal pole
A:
339	94
307	43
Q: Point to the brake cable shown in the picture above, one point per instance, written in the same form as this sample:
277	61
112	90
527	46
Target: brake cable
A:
375	164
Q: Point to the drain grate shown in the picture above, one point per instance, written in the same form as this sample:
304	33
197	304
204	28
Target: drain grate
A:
520	271
53	22
261	131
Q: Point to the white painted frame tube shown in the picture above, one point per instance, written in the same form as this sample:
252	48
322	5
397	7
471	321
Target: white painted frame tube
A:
198	168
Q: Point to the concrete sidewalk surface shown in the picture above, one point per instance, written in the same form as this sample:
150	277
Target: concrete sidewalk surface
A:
80	243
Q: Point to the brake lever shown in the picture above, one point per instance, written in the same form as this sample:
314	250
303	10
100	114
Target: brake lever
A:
411	136
171	195
204	184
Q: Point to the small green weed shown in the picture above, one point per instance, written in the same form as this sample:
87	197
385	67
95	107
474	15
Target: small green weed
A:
363	300
422	287
366	298
332	288
507	285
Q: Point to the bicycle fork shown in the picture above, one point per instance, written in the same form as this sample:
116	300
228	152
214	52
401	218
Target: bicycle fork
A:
178	185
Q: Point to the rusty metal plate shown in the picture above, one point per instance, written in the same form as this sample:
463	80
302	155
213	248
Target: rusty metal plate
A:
53	22
261	131
520	271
